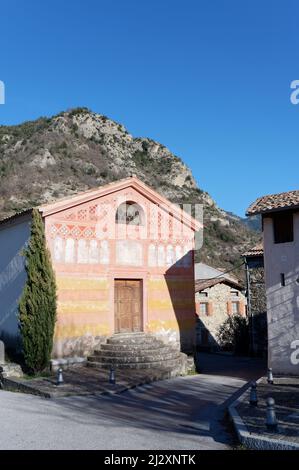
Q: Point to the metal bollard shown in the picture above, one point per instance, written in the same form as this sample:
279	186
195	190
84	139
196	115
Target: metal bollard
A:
112	376
270	379
253	395
59	377
271	421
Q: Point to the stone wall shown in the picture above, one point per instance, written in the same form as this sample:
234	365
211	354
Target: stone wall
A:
259	310
219	299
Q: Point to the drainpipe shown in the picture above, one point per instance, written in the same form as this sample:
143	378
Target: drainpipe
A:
249	309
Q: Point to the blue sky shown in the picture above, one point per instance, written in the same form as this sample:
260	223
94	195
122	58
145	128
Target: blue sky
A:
210	79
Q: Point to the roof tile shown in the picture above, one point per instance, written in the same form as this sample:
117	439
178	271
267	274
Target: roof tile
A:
202	284
274	202
257	250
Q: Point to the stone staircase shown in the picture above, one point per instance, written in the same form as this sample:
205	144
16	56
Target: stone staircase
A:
139	351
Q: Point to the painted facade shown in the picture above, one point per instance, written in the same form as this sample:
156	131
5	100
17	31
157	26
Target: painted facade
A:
123	231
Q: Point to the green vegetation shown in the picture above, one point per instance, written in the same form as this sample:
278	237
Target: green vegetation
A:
141	158
78	111
37	307
233	334
154	166
25	130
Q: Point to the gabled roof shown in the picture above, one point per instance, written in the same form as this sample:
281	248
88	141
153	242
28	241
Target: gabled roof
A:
132	182
204	271
202	284
274	202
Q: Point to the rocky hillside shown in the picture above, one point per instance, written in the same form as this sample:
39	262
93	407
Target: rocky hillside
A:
46	159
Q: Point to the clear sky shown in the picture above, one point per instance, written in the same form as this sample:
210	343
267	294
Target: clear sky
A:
210	79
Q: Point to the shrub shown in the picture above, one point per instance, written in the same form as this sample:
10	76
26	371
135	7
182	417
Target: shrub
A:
141	158
78	111
233	334
37	306
145	145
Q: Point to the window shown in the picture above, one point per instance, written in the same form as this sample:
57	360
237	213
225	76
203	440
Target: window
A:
283	225
129	213
235	308
282	280
234	293
203	295
203	309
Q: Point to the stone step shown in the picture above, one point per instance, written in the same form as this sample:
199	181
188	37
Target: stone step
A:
117	350
132	340
170	363
138	351
130	334
129	358
130	347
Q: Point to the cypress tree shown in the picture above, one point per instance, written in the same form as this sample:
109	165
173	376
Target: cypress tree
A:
37	306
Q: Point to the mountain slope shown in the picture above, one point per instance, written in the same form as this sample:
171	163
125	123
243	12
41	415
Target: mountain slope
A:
49	158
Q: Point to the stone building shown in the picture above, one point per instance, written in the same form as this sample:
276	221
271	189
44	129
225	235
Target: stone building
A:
217	295
123	259
280	215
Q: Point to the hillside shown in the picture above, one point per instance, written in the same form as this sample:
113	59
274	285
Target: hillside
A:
49	158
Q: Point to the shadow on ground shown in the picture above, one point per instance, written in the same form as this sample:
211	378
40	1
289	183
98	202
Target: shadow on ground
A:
246	368
194	407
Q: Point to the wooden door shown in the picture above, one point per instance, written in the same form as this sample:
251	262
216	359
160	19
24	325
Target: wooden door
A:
128	305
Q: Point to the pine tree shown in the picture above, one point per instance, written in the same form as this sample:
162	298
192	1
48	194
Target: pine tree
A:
37	306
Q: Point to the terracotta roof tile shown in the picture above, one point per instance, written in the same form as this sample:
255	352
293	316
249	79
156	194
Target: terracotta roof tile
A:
274	202
202	284
257	250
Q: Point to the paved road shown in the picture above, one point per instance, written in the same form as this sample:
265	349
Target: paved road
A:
183	413
230	366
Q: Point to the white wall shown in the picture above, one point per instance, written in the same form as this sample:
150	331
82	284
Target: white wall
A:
282	302
13	238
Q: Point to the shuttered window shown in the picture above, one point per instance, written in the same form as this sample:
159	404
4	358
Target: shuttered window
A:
283	226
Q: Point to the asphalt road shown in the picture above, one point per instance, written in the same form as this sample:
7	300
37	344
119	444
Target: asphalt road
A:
182	413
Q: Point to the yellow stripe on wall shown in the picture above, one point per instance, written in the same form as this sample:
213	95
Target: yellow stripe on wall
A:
179	286
75	331
74	283
162	304
82	307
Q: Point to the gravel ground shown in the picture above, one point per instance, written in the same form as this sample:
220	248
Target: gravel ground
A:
285	392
